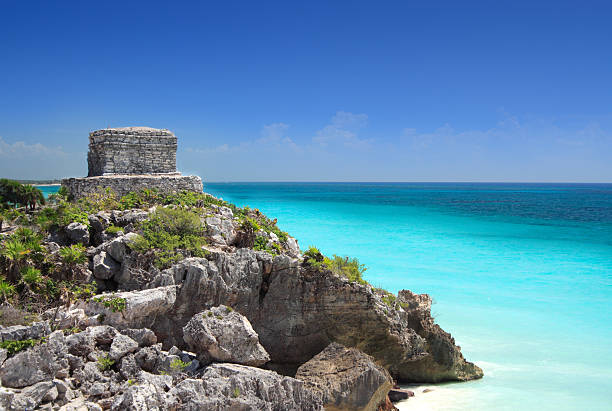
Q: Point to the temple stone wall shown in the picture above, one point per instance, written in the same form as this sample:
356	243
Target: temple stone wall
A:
123	184
131	150
131	159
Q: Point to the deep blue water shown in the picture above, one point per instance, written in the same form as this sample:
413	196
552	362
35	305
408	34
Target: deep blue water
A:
521	275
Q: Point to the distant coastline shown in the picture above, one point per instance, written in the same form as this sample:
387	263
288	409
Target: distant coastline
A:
41	182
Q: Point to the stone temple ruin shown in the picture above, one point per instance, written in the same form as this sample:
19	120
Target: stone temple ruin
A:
131	159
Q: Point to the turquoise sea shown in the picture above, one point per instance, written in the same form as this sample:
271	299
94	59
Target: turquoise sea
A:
521	275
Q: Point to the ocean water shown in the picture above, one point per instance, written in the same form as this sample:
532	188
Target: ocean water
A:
520	274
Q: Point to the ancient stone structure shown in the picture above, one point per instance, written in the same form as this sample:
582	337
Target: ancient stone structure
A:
131	150
131	159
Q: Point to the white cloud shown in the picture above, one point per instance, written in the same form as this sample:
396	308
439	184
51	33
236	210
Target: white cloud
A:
20	148
21	160
343	129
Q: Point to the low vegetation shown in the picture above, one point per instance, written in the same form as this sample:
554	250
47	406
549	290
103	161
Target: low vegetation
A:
13	347
105	363
115	304
343	266
172	234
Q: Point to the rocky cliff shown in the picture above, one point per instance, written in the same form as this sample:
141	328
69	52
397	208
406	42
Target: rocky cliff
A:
243	275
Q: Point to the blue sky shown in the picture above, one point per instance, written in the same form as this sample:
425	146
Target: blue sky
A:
315	91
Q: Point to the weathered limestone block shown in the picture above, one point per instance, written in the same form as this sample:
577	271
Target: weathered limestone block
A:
43	362
346	379
222	334
104	266
239	387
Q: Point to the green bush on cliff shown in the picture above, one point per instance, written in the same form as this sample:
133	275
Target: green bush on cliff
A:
343	266
172	233
347	267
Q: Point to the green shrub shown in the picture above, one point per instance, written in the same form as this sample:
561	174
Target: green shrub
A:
31	276
261	244
115	304
73	255
112	230
105	363
236	392
343	266
7	290
101	199
173	234
389	299
177	365
141	199
13	347
314	258
347	267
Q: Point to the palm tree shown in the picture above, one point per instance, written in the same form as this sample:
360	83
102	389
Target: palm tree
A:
30	196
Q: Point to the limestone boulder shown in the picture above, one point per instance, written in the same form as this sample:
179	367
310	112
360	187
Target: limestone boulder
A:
346	379
122	345
42	362
141	397
143	336
34	331
127	217
222	334
120	246
105	266
140	309
239	387
221	226
31	397
77	233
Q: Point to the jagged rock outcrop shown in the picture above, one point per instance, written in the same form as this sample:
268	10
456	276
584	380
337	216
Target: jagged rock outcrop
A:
239	387
445	361
346	379
309	308
102	368
141	308
41	363
221	334
35	331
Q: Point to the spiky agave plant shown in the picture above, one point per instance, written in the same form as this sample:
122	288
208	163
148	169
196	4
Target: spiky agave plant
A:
6	290
15	252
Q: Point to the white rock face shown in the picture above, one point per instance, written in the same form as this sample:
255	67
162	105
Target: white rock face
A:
141	307
222	334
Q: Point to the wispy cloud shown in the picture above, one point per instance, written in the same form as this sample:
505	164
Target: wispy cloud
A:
343	129
31	161
514	149
20	148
